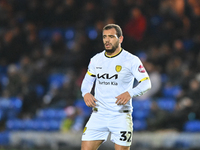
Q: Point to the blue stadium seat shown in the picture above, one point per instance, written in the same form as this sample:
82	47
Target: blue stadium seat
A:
14	107
54	125
139	125
69	34
39	90
167	104
164	78
4	103
192	126
16	103
140	114
3	80
142	104
40	125
182	144
141	109
56	80
2	114
31	125
45	125
10	107
51	113
11	103
91	33
14	125
4	138
28	124
171	91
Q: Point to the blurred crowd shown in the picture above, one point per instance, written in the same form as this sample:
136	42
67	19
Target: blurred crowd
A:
54	39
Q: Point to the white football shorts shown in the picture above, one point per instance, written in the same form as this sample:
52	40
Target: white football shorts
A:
101	123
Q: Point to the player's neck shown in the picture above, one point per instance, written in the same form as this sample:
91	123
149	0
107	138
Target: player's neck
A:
117	51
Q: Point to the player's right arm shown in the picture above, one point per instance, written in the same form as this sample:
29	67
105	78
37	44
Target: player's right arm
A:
88	83
86	88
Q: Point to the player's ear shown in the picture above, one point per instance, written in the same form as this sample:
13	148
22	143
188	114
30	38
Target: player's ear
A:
121	39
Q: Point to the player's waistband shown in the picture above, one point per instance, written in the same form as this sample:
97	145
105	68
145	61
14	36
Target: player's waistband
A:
95	109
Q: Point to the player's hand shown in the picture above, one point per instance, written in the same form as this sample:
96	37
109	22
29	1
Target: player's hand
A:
123	98
90	100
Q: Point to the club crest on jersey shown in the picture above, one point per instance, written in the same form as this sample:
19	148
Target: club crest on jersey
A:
141	69
118	68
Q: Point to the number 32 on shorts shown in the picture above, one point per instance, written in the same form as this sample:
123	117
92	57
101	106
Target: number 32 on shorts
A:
126	136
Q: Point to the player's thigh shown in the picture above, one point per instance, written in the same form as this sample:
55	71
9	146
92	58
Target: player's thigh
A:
91	145
121	131
96	128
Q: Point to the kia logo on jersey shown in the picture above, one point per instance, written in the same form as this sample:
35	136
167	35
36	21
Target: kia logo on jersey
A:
107	76
141	69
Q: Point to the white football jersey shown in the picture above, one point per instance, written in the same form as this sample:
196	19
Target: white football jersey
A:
114	76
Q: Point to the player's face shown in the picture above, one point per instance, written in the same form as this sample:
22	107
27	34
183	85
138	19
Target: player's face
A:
110	40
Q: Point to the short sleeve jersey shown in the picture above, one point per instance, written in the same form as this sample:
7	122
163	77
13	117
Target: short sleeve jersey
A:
114	76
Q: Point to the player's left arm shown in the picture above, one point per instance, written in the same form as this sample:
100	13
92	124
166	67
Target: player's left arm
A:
139	90
144	84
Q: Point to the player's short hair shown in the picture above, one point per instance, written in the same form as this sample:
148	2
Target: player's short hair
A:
116	27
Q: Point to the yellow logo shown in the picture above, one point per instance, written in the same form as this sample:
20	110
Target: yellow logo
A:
118	68
84	129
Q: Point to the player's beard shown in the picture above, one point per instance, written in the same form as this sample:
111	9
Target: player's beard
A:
113	49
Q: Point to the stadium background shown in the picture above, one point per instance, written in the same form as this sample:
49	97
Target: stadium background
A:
45	47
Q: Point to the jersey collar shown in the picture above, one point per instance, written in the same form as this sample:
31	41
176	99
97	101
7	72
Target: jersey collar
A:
113	55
